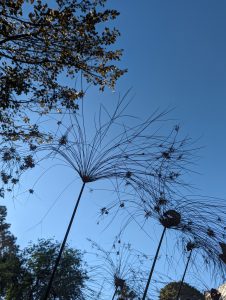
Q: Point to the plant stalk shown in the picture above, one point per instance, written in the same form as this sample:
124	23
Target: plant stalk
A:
114	294
185	271
153	264
63	245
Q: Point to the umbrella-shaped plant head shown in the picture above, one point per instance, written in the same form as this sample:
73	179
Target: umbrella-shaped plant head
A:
116	147
208	249
208	232
197	218
123	269
169	216
153	205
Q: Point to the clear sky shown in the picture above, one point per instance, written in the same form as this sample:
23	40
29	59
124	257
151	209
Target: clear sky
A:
175	52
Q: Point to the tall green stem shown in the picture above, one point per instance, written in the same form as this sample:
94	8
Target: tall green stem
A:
185	271
153	265
63	245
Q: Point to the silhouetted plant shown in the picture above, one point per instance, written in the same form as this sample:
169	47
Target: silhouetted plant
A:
123	269
200	219
137	157
133	155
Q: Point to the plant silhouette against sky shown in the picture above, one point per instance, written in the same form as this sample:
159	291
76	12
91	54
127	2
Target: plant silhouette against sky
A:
122	149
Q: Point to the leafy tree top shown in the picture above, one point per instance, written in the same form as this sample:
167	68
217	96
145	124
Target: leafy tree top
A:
7	240
9	261
25	274
169	292
40	42
36	265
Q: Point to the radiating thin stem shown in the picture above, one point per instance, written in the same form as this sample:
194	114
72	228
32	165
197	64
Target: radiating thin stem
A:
63	245
114	294
153	265
185	271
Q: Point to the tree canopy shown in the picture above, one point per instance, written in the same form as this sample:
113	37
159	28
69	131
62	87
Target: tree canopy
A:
41	43
9	261
169	292
24	274
36	265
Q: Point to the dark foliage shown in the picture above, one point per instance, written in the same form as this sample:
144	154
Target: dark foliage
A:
39	43
36	263
9	261
169	292
24	274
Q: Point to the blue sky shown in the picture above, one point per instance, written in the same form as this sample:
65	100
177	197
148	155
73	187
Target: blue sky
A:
175	52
